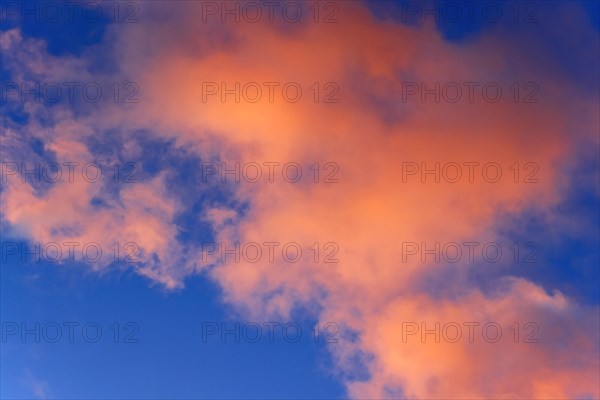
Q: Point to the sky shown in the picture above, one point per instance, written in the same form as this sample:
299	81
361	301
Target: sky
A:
299	199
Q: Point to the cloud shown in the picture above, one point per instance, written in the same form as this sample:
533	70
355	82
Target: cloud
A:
39	388
371	135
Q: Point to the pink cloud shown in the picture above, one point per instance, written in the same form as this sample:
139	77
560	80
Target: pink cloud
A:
371	210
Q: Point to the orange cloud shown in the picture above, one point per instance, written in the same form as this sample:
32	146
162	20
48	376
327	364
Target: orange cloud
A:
372	135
